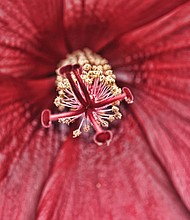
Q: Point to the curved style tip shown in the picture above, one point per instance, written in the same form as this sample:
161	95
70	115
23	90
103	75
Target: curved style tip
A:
129	97
65	69
76	66
45	118
103	137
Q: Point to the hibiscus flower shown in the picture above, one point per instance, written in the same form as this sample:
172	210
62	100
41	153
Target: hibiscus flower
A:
46	174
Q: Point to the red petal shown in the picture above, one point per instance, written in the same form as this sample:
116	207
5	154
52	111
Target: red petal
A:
96	24
26	152
32	40
155	51
165	120
155	62
122	181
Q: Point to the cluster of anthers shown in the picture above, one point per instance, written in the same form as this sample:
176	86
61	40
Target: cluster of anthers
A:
87	92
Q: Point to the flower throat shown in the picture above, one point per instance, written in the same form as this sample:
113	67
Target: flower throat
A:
87	92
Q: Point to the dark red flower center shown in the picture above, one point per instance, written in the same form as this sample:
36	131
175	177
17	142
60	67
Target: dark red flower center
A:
86	87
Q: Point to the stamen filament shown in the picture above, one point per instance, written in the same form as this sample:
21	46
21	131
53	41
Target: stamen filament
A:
125	95
93	120
109	101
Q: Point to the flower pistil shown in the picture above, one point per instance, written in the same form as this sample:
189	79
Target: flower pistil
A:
87	91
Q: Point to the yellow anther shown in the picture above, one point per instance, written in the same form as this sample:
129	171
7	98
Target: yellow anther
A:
115	109
76	133
57	101
107	67
104	123
64	120
97	73
109	72
103	61
60	85
61	93
97	62
86	128
59	78
118	115
83	61
61	108
102	78
110	80
111	118
100	67
86	67
116	103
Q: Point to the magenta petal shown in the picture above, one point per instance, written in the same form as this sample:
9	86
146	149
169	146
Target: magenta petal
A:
122	181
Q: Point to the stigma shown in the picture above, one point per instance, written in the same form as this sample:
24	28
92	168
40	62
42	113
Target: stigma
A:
87	93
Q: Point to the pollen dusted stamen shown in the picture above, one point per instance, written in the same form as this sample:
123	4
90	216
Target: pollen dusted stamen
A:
86	87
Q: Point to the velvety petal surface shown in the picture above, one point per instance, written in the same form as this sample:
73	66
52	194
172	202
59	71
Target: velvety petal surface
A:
26	152
155	61
32	40
122	181
95	24
144	173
